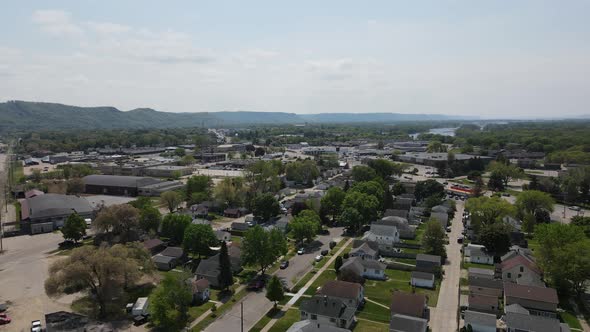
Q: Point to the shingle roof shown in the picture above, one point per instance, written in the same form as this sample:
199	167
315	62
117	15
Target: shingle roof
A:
478	299
428	258
344	289
520	260
49	205
159	258
391	221
485	282
396	213
208	267
404	323
200	285
422	275
118	180
541	294
477	270
327	306
152	243
365	248
527	322
408	304
479	318
312	326
175	252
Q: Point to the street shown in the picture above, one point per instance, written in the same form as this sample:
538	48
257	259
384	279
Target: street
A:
256	305
443	318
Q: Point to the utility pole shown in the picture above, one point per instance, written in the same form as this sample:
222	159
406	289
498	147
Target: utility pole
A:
242	316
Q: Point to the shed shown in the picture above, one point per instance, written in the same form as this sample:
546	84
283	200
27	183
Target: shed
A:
422	279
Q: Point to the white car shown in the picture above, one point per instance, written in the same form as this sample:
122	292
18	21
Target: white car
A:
318	258
575	208
301	251
36	326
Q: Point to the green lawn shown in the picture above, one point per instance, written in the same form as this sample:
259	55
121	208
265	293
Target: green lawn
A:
220	310
405	260
303	280
367	326
195	312
283	324
320	281
372	311
467	265
263	321
381	291
568	316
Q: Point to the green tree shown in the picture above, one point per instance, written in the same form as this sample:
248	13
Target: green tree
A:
385	168
367	205
262	176
187	160
332	202
169	304
305	225
428	188
225	277
388	201
265	207
363	173
141	202
398	189
583	223
352	219
274	290
261	248
495	182
505	172
533	201
171	199
528	223
198	184
74	228
372	188
488	210
149	219
230	192
496	238
436	146
198	238
102	272
121	220
174	226
302	171
74	186
433	239
338	263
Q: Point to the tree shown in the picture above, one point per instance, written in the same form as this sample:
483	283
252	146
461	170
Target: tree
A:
262	248
230	192
225	277
171	199
180	152
372	188
120	220
141	202
533	202
363	173
495	182
169	304
352	219
367	205
583	223
488	210
305	226
385	168
274	290
149	219
433	239
428	188
398	189
74	227
302	172
436	146
174	226
478	187
187	160
528	223
198	184
262	176
496	238
103	272
338	263
74	186
505	172
388	201
259	152
198	238
332	202
265	207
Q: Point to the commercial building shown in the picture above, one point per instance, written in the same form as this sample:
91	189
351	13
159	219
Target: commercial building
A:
46	213
127	185
168	171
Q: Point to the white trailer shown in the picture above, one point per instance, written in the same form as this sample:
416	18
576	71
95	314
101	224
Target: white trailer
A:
140	308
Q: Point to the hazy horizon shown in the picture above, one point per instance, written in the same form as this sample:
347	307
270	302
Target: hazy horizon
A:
528	59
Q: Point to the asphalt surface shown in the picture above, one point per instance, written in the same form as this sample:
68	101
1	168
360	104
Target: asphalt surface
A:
256	305
443	318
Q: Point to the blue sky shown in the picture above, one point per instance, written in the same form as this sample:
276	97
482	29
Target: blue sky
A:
487	58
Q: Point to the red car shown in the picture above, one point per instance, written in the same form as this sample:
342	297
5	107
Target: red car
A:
4	319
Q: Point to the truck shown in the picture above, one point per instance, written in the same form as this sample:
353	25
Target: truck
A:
140	308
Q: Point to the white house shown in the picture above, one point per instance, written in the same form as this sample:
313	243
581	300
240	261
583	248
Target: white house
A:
366	268
385	233
422	279
475	253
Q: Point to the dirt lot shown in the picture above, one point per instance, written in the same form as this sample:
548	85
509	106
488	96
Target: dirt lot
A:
28	170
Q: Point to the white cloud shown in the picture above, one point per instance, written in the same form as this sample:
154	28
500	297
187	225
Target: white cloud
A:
108	28
56	22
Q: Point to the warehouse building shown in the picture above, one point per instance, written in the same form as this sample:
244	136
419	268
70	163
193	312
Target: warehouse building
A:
127	185
46	213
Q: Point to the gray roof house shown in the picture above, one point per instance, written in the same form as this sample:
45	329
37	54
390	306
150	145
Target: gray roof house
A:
475	253
351	293
366	268
312	326
518	318
406	231
480	321
428	263
485	286
326	310
169	258
477	272
422	279
539	301
364	251
442	217
209	268
404	323
396	213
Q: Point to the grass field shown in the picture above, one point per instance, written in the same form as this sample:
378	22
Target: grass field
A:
320	281
283	324
368	326
374	312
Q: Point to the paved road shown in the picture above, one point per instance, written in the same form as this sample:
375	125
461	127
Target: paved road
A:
443	318
256	304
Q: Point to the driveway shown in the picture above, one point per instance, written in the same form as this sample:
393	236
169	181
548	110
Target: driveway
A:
256	304
443	318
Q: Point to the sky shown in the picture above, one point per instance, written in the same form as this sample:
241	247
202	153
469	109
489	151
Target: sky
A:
493	59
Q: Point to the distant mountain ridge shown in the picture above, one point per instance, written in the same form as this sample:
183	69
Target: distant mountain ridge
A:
23	115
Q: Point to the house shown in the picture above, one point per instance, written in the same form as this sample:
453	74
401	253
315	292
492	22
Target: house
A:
223	235
239	226
325	310
480	321
402	203
209	268
169	258
484	303
233	212
539	301
404	323
406	231
442	217
350	293
200	211
313	326
485	286
477	272
200	290
48	212
365	251
366	268
283	223
422	279
396	213
409	304
33	192
476	253
384	233
428	263
519	319
521	270
154	245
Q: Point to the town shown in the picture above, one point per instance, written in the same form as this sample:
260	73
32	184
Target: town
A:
250	230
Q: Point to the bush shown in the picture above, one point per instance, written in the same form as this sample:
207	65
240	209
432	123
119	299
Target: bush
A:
345	256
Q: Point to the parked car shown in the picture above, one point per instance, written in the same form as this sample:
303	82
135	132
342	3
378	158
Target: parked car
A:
3	307
448	229
256	284
318	258
575	208
324	252
36	326
301	251
460	239
4	319
506	194
284	265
